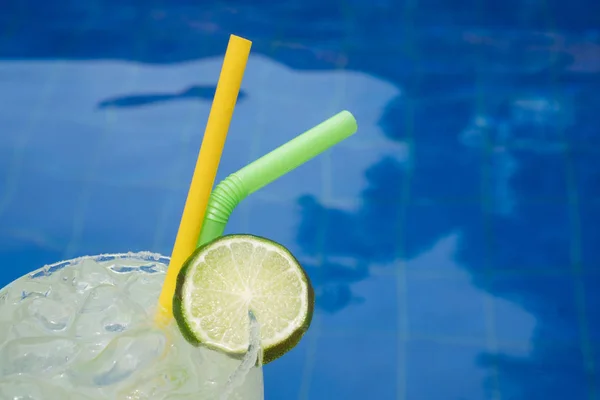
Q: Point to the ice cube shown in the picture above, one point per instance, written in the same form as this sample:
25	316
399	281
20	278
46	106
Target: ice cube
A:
5	328
92	348
29	319
106	310
7	309
124	355
144	288
25	328
37	355
90	275
67	277
51	314
29	388
3	297
27	290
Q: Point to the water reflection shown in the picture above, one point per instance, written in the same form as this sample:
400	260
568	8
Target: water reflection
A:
506	171
205	93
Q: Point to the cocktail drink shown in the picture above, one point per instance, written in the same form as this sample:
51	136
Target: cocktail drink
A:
83	329
142	326
87	328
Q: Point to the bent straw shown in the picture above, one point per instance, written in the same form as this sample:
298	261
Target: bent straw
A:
237	186
205	172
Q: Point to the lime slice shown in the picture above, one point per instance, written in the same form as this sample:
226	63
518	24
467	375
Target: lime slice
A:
224	279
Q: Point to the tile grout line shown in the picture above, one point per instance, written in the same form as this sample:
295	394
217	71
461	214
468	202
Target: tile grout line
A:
514	272
316	325
336	201
575	255
578	281
11	179
13	173
81	206
403	334
491	340
254	151
186	136
467	341
575	249
327	190
261	127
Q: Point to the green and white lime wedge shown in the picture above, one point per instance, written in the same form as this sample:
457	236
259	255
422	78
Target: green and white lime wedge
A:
224	279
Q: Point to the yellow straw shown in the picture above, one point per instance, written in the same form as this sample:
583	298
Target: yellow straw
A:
203	179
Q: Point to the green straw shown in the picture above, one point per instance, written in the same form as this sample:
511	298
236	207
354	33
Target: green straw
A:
237	186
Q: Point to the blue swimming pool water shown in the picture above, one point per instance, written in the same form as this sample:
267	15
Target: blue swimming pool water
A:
453	242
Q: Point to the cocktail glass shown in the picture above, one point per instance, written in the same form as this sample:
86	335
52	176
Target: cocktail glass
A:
83	329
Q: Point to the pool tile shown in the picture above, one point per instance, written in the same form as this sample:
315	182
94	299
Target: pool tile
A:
444	370
119	219
274	219
534	236
513	325
425	225
379	166
589	215
539	176
549	371
63	148
368	306
38	203
551	299
591	298
440	174
586	174
445	307
359	366
284	376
